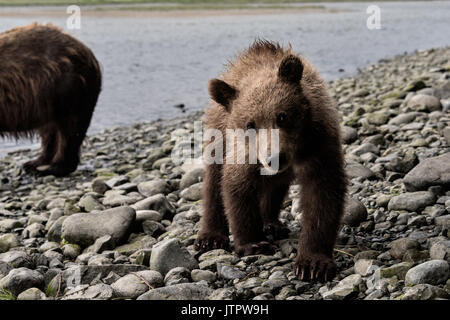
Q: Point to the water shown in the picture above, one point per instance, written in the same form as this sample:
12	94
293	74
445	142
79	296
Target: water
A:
152	63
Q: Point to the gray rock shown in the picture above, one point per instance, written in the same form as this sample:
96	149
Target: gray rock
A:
55	231
138	243
169	254
249	283
7	225
111	278
21	279
365	267
5	268
82	274
431	272
443	221
8	241
442	91
158	203
366	147
183	291
114	198
117	181
99	186
32	294
153	228
446	134
412	201
424	292
192	177
203	275
426	102
143	215
35	230
398	270
16	258
99	291
357	170
223	294
440	250
101	244
355	212
49	245
403	164
71	251
429	172
377	118
229	272
84	228
346	288
192	193
177	275
153	187
404	118
400	246
89	203
133	285
349	134
275	283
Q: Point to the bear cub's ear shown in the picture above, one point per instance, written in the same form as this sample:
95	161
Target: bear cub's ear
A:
222	93
291	69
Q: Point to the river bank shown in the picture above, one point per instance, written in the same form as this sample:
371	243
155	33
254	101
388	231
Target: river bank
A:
114	222
151	63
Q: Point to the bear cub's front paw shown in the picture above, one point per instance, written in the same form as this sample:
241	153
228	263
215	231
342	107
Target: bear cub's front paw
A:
314	267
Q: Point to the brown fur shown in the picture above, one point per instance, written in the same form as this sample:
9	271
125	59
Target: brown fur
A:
49	84
264	81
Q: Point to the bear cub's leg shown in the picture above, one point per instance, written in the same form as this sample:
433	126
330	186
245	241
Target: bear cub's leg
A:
270	203
323	188
241	202
214	227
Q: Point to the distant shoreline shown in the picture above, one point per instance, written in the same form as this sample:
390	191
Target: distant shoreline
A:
130	12
174	3
167	10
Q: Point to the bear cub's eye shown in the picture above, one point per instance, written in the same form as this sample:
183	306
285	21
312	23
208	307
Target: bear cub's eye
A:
282	119
251	125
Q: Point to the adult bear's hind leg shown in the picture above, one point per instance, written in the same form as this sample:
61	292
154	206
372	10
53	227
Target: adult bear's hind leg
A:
49	141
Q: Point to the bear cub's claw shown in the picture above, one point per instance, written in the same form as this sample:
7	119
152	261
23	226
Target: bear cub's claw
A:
262	247
205	243
315	267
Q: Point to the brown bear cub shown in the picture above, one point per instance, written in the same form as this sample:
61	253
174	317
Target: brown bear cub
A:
49	84
269	87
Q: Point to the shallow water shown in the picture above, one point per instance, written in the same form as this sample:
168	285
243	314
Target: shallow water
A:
151	64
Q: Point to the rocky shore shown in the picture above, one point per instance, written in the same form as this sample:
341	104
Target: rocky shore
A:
123	225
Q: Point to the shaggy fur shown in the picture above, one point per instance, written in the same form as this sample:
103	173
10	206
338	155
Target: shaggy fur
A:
268	86
49	84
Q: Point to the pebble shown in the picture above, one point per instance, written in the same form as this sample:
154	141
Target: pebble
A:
431	272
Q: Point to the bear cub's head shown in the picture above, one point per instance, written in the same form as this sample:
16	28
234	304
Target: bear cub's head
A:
268	98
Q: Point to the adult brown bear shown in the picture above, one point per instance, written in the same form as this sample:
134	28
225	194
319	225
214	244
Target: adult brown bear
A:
269	87
49	84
